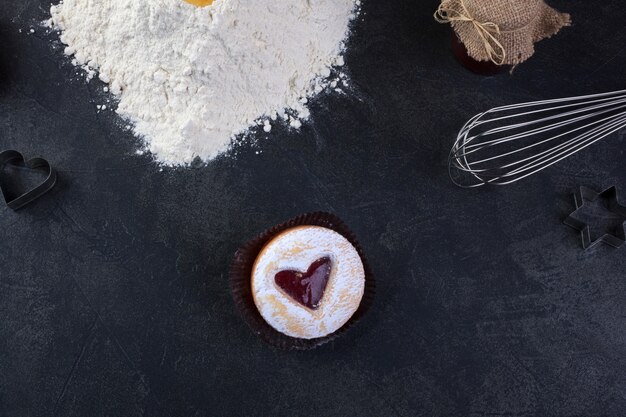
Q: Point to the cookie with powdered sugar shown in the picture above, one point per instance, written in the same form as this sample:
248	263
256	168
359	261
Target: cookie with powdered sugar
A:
303	283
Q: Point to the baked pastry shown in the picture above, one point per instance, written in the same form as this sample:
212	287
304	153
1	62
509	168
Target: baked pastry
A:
302	283
308	281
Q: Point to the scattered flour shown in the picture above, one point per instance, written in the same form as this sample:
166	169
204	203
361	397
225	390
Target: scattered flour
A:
190	79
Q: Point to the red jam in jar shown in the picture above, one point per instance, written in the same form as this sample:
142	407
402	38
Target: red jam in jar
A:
477	67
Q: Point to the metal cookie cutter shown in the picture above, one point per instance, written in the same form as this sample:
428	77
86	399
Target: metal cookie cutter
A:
615	238
16	158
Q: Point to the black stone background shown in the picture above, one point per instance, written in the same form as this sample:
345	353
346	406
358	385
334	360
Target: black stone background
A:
114	298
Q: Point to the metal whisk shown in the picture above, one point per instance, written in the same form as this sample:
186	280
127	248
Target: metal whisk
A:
506	144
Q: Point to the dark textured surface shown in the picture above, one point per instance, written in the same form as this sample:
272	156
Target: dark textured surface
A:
113	291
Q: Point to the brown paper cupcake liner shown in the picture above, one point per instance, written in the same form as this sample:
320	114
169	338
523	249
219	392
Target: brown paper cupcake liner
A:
241	272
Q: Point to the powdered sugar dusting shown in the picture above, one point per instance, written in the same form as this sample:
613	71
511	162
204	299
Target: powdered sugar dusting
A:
297	249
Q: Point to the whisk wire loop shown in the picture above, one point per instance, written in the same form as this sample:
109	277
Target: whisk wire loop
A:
508	143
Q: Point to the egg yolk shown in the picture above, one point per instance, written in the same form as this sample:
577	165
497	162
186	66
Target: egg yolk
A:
200	3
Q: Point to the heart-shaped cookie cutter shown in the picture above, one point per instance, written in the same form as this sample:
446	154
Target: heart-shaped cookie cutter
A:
16	203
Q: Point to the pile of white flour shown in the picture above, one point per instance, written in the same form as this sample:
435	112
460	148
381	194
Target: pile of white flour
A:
190	79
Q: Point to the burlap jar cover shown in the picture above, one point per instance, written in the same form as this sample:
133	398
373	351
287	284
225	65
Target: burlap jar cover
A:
501	31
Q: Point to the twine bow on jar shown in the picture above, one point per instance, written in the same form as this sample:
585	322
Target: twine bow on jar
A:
487	31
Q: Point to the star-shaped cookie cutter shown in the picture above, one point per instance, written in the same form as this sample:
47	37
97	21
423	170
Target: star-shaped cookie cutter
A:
616	239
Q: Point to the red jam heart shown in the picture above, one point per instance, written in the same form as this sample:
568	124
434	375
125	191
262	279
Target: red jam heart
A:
306	288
